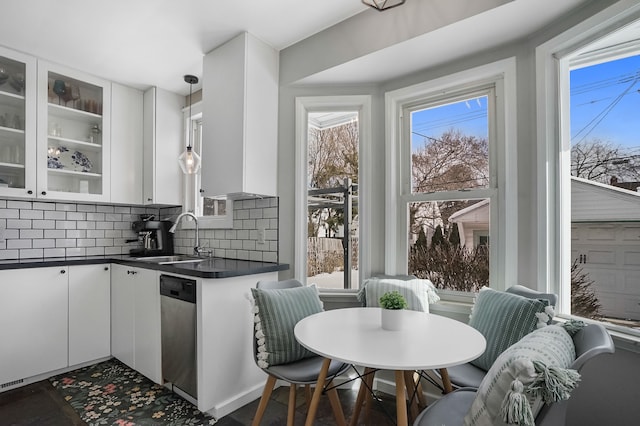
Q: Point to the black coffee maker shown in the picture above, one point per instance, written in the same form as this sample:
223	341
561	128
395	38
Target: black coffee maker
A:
155	237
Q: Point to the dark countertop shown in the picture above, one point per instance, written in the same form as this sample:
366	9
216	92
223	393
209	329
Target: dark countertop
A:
214	267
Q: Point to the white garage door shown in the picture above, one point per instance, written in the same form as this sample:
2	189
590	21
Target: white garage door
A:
610	254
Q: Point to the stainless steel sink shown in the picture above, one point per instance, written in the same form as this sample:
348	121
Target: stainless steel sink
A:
168	260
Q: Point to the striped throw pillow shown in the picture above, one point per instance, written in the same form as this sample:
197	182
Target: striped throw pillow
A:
276	313
529	373
503	319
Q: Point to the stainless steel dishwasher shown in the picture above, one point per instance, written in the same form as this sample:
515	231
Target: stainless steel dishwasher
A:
178	325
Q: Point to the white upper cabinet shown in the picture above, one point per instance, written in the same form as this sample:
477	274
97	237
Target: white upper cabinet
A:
17	124
163	143
74	128
126	144
240	114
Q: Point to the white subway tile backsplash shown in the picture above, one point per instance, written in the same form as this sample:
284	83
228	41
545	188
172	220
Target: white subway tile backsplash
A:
9	254
18	223
96	233
18	244
44	243
67	207
241	241
65	224
31	214
31	234
54	252
31	253
9	213
86	225
55	233
86	242
65	242
88	208
95	251
58	229
55	215
76	233
77	251
12	204
37	205
95	216
76	216
43	224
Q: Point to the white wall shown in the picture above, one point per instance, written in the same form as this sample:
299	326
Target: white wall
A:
311	56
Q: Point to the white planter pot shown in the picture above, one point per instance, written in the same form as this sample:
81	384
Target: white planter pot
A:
392	319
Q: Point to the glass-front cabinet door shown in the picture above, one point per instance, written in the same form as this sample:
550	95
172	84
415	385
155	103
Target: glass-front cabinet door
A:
17	124
73	135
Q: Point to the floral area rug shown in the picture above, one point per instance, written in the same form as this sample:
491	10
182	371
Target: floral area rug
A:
110	393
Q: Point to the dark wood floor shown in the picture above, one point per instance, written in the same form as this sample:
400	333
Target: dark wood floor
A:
39	404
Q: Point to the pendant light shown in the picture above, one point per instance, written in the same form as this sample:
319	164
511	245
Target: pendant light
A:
189	161
381	5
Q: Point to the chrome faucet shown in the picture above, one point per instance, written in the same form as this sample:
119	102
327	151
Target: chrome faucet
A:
196	249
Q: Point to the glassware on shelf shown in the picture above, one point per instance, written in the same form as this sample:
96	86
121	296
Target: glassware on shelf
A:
17	81
59	88
55	130
4	75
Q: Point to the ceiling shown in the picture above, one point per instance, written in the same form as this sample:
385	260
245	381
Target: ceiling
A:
143	43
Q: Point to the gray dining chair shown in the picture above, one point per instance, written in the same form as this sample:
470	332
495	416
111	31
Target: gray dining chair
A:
303	372
469	375
451	409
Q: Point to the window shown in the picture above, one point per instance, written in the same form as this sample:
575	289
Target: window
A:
591	215
211	212
450	183
605	170
331	198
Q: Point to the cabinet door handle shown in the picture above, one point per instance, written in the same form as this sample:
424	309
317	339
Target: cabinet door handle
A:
62	271
44	192
29	192
132	272
149	199
106	268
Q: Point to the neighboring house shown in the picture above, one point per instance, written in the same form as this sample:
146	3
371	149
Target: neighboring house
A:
473	224
605	240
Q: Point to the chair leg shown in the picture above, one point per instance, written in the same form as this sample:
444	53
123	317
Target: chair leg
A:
446	381
264	400
292	405
307	395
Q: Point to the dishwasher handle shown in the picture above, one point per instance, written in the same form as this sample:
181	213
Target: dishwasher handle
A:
178	288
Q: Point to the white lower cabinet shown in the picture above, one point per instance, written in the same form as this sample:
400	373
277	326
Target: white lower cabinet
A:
33	314
135	319
89	313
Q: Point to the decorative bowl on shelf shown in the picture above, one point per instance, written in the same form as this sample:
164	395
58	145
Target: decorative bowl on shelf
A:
64	159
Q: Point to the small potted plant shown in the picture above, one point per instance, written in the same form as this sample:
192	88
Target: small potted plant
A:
392	304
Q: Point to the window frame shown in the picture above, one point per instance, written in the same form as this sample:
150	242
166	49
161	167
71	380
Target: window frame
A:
502	191
309	104
553	59
191	183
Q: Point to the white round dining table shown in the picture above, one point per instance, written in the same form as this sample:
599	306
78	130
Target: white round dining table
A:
355	336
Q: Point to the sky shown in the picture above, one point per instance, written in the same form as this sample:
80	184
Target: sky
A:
605	104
